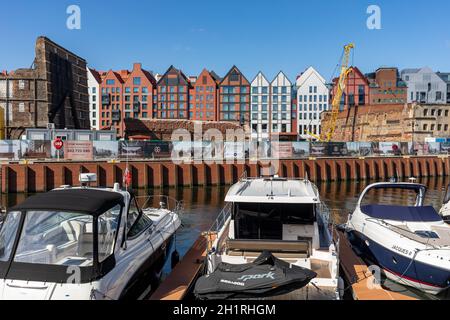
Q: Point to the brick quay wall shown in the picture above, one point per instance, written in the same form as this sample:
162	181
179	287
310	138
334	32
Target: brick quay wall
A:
23	177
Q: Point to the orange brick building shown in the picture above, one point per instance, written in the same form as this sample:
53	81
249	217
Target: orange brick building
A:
203	97
125	94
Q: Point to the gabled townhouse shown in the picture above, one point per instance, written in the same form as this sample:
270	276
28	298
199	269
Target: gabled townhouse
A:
312	100
234	97
172	95
203	97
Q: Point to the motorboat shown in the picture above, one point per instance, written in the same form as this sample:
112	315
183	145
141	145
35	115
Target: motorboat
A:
445	210
410	243
271	241
81	243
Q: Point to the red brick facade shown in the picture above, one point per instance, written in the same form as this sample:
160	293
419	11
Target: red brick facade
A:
386	87
125	94
203	98
356	91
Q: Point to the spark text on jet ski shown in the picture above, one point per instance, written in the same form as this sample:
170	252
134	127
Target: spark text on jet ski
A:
269	275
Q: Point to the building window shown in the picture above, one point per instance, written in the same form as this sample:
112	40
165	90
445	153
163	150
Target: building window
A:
137	81
110	82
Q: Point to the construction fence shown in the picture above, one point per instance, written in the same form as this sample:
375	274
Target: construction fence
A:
16	150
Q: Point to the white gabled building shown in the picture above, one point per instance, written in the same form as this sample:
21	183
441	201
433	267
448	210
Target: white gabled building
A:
281	103
312	100
94	81
260	108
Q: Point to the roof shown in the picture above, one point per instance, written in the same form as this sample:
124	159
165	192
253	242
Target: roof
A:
178	72
96	75
215	76
444	76
89	201
407	71
307	74
138	127
234	68
272	191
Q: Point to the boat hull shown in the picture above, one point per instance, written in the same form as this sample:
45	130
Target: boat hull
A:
399	268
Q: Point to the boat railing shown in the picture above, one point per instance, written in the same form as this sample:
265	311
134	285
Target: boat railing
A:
214	232
161	201
222	218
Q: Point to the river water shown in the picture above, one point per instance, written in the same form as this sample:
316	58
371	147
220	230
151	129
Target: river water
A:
202	204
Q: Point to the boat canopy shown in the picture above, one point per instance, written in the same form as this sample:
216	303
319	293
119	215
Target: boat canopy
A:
402	213
90	201
273	190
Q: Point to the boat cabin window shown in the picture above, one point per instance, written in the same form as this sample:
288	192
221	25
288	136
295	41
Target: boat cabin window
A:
266	220
107	227
133	213
56	238
8	234
137	221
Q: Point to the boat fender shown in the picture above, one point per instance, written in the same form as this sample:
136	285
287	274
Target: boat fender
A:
174	259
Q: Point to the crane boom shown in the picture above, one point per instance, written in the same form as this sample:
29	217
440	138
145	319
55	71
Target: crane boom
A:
330	127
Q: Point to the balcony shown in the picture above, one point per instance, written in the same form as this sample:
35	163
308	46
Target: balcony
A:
115	115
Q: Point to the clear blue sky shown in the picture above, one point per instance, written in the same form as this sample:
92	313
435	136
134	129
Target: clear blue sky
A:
255	35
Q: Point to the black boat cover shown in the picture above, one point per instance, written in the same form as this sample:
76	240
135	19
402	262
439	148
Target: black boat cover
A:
89	201
267	276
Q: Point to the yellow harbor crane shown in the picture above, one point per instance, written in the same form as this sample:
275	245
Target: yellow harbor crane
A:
329	127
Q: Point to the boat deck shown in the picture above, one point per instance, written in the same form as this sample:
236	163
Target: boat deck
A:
442	232
358	274
177	285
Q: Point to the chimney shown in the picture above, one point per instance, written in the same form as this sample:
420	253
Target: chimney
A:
137	66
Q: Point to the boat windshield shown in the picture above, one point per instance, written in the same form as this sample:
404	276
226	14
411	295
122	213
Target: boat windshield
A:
65	238
8	234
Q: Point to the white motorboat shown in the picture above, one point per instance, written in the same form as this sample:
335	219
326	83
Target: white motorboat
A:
445	210
410	243
83	243
277	225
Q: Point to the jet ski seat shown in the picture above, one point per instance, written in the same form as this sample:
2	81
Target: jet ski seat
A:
274	246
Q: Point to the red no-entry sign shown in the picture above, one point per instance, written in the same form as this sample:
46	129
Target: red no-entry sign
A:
58	144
